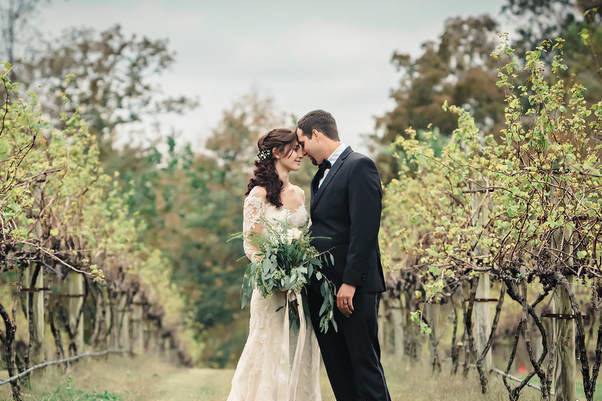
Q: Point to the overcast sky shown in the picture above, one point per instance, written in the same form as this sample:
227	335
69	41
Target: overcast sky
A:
305	54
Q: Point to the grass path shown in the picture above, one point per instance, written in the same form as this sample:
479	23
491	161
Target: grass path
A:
194	385
150	379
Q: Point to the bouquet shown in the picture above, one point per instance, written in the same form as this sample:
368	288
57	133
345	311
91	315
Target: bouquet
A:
287	262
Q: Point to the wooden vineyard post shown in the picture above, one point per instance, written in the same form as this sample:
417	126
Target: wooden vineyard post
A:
171	349
164	345
39	354
386	328
147	335
562	357
396	321
172	355
36	309
111	317
34	278
482	318
480	215
157	338
75	292
432	318
565	364
564	337
412	336
99	321
124	322
137	345
107	319
152	343
454	346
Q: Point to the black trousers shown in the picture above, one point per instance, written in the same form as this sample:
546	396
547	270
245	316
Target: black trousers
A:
352	355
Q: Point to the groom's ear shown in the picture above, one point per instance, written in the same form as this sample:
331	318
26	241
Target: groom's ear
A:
315	132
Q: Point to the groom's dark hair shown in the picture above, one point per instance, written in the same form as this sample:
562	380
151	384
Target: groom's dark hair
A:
319	120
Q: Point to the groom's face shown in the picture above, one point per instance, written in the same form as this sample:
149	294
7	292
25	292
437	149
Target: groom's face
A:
310	146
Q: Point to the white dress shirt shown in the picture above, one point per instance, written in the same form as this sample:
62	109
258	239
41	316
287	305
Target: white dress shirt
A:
332	159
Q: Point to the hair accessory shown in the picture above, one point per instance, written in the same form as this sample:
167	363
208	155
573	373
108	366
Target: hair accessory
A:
264	154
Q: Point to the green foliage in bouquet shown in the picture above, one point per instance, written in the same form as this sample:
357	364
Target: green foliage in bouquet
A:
286	262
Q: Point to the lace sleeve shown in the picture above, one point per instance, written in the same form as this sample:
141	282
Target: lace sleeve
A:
302	193
253	211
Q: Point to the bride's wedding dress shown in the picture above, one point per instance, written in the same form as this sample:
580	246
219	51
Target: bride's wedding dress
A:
277	363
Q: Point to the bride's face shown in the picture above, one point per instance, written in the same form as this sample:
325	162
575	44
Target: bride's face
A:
291	157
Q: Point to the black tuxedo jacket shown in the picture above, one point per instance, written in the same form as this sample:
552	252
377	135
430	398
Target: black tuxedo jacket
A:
345	215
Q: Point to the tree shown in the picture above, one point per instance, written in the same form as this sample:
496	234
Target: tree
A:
545	19
456	68
14	21
107	77
578	22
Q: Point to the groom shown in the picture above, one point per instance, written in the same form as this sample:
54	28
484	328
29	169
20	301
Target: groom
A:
345	214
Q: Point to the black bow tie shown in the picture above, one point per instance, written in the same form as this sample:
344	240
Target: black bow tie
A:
325	165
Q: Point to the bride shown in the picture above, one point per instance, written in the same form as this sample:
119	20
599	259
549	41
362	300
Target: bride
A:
277	363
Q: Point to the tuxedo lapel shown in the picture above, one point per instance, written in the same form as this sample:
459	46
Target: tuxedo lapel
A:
314	185
331	174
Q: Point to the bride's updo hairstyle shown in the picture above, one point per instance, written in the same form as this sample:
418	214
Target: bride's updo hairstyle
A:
265	174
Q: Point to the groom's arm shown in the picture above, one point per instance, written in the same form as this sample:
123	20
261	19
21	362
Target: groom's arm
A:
365	204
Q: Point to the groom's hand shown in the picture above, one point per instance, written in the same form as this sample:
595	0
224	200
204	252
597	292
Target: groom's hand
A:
345	299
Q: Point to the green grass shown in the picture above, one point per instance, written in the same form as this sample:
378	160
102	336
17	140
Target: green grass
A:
67	392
